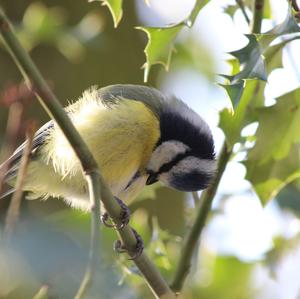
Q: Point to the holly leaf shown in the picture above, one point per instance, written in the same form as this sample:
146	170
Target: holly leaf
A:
231	9
275	159
115	8
232	122
252	57
157	205
270	177
273	54
281	122
160	46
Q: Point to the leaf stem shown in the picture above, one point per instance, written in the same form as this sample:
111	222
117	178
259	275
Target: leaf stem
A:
240	3
195	11
205	205
97	187
258	10
194	234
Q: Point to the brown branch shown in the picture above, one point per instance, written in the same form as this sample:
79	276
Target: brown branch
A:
97	187
15	204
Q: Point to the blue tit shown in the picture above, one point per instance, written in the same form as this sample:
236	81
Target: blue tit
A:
137	135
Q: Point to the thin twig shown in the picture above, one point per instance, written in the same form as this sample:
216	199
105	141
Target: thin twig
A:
94	185
15	204
51	104
12	131
196	198
206	199
240	3
195	232
258	10
295	5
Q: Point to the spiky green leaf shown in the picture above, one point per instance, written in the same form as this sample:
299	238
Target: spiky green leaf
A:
275	159
115	8
160	46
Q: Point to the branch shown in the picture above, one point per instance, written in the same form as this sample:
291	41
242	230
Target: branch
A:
196	230
240	3
97	187
13	126
258	10
295	5
205	206
15	204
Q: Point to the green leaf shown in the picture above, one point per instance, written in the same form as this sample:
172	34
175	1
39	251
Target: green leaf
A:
252	56
273	54
232	122
281	122
257	59
115	8
234	92
275	159
157	204
160	46
231	9
252	65
229	278
270	177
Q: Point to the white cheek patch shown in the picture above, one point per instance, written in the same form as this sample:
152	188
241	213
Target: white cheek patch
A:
188	165
193	163
165	153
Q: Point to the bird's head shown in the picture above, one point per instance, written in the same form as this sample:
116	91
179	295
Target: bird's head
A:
184	157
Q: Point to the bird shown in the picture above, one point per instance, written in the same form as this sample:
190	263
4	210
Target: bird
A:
137	135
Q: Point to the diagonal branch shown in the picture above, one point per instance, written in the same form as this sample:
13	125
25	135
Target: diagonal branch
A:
194	234
97	187
15	203
208	195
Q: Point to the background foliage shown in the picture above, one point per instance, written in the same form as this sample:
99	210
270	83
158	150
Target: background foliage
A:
75	45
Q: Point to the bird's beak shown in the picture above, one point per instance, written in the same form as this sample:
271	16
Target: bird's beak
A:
152	178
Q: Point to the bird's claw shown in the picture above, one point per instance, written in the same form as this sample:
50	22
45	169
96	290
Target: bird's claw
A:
134	252
124	216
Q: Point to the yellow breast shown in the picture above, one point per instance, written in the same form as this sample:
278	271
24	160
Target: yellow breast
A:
121	139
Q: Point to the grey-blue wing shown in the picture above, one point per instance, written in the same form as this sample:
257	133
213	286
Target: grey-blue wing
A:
38	140
150	97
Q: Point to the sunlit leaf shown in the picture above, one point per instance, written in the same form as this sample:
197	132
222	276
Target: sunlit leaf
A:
275	159
229	277
232	122
158	205
115	8
282	246
270	177
234	92
273	54
160	46
231	9
251	61
252	57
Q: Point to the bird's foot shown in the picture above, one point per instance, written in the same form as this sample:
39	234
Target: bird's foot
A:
124	216
134	252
